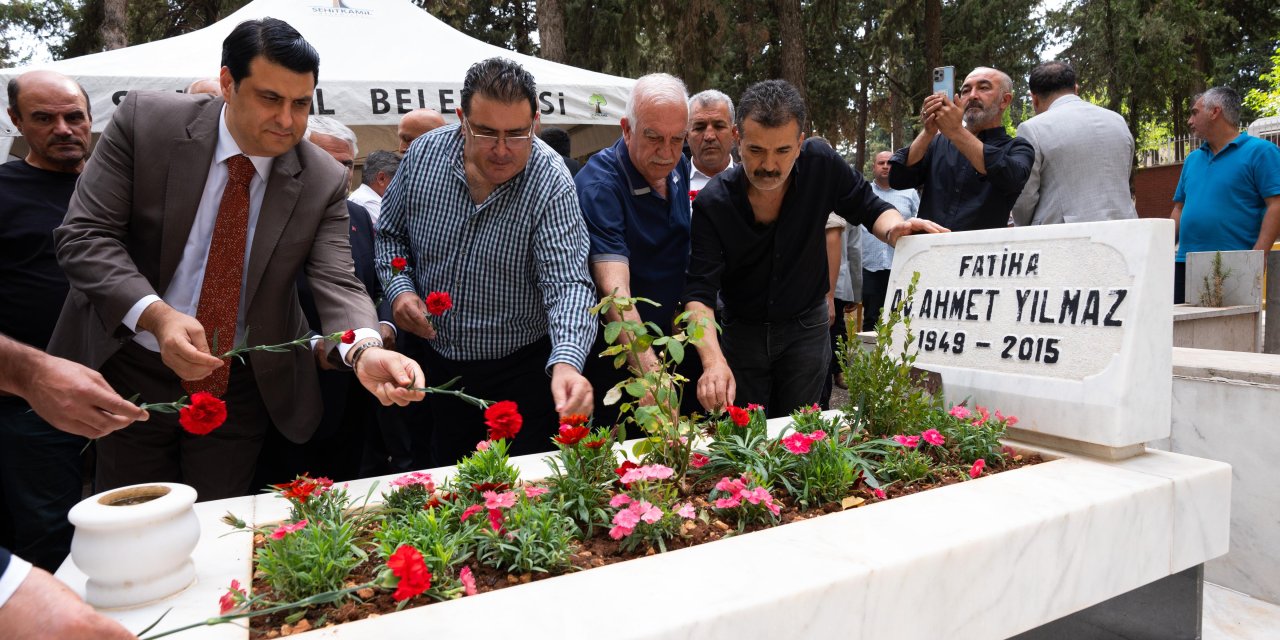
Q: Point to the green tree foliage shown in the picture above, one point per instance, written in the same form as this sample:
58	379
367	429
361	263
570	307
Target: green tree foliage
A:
1266	102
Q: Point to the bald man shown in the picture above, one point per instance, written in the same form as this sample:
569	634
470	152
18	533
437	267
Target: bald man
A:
205	85
416	123
39	465
969	171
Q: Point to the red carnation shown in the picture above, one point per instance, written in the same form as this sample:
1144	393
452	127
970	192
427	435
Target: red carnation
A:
739	416
570	435
407	564
398	264
349	337
594	444
231	598
438	302
503	419
204	413
693	193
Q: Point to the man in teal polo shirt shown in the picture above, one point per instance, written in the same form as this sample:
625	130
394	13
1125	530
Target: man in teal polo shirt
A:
1228	198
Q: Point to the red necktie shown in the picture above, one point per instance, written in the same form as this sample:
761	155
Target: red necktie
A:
220	293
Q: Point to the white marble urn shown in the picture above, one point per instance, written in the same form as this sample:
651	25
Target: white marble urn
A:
134	543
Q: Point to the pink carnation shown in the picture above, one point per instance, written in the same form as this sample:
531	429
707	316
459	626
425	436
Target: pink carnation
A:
797	443
909	442
468	581
619	532
533	492
976	469
879	493
619	500
647	512
698	460
959	411
504	500
483	445
933	437
818	435
729	502
758	495
627	518
470	511
686	510
286	529
417	478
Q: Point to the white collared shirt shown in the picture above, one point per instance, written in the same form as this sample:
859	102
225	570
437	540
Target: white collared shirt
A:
698	179
183	293
366	197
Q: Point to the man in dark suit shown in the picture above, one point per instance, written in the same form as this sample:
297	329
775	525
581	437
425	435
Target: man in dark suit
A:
190	226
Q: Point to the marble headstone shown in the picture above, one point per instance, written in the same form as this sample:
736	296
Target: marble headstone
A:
1068	327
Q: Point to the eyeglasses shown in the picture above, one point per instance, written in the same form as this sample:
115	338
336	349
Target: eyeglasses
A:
514	143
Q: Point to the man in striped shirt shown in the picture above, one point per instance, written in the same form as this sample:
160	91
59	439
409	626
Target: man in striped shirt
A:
486	212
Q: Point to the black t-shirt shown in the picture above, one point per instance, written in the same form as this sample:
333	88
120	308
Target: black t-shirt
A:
33	203
778	271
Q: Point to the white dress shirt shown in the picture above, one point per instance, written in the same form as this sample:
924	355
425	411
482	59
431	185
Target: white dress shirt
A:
366	197
698	179
183	293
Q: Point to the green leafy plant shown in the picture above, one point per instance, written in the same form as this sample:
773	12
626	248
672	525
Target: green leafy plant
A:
530	535
302	559
582	474
1211	290
885	399
487	469
647	513
974	434
444	540
745	500
908	466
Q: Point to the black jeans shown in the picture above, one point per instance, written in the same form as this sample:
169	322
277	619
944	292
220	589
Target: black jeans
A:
520	377
780	365
875	286
40	481
1179	282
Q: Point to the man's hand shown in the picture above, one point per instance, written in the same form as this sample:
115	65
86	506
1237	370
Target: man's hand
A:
570	391
928	114
947	116
184	347
43	607
410	314
386	374
75	399
388	334
912	226
716	388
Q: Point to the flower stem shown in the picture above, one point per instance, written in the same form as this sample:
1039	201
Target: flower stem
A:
445	390
319	598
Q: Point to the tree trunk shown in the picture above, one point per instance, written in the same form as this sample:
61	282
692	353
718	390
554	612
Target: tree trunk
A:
792	37
113	34
864	109
551	30
932	33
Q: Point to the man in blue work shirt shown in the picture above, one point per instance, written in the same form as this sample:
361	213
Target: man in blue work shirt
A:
1228	197
635	197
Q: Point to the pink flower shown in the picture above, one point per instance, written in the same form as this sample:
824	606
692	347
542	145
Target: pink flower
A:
758	495
468	581
686	510
495	520
627	518
620	500
619	532
726	503
657	472
986	415
909	442
470	511
818	435
730	485
417	478
483	445
773	508
797	443
751	406
533	492
504	500
879	493
933	437
698	460
648	512
231	598
976	469
286	529
959	411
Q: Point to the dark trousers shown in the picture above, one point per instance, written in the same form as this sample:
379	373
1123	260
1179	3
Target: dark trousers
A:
780	365
40	480
835	331
520	377
875	286
219	464
1179	282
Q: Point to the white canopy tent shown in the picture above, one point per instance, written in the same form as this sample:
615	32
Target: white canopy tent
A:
379	59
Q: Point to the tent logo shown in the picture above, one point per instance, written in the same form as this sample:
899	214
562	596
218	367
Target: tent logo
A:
340	8
596	101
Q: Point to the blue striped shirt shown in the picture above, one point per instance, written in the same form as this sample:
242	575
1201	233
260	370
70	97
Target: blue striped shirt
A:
515	265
